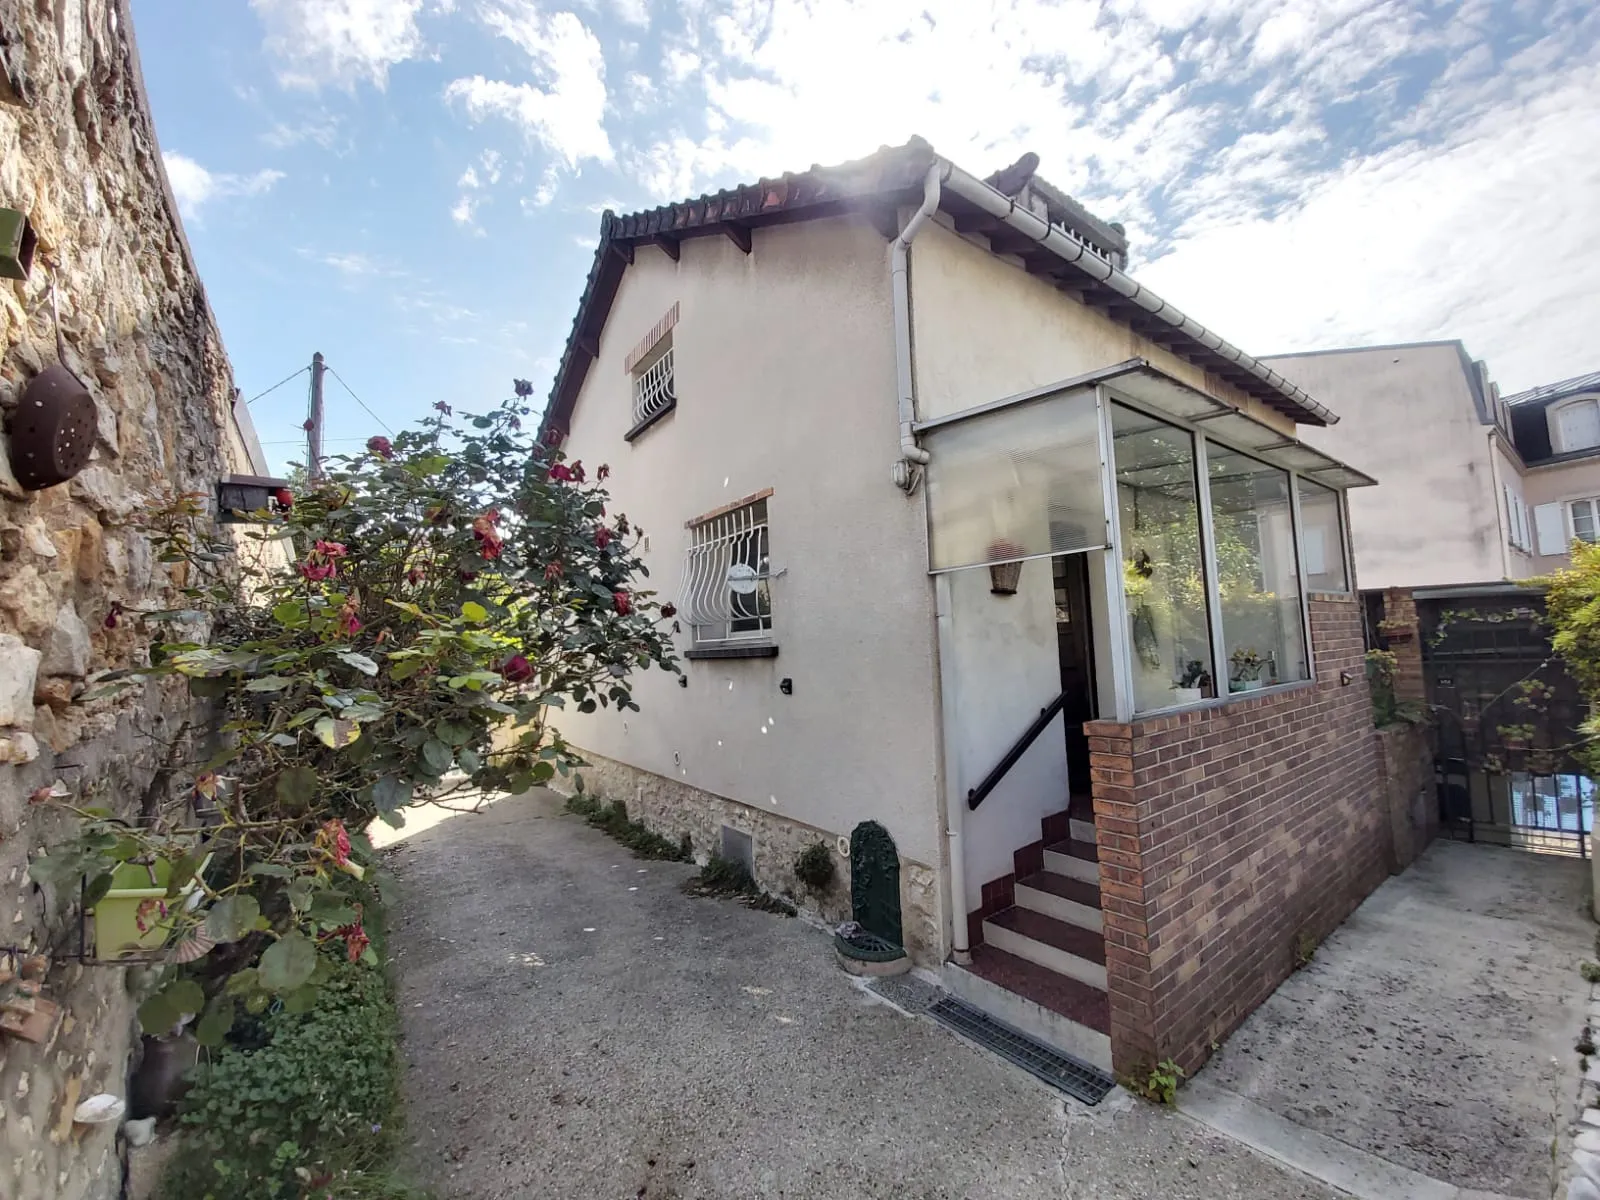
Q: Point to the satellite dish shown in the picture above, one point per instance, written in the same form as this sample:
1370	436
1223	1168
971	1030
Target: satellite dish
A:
742	579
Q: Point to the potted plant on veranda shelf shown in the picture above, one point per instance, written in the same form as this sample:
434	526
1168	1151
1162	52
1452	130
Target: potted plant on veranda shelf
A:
1246	673
1004	576
1191	685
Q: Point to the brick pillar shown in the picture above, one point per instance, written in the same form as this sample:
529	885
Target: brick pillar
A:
1403	631
1122	897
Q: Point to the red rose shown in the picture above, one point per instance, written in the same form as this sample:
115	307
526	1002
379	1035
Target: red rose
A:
381	446
349	625
284	497
603	537
516	669
669	610
441	406
561	473
414	575
577	470
466	576
355	940
622	602
553	571
308	425
114	614
603	473
335	841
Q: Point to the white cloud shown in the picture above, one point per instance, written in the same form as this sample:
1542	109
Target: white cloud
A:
1297	173
461	213
193	186
565	110
341	42
322	130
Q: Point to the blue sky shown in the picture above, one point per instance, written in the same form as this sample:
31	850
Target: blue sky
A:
414	186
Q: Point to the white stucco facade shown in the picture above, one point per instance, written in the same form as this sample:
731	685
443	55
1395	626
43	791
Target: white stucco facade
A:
1407	417
784	362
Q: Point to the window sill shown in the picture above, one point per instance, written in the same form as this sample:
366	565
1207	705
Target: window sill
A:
1223	701
648	421
754	650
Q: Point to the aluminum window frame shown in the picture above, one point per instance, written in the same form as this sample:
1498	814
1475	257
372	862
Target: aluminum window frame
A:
1111	394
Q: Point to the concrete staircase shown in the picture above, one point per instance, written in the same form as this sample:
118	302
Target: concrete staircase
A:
1042	962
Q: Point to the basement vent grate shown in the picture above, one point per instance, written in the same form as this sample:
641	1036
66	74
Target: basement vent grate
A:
1061	1071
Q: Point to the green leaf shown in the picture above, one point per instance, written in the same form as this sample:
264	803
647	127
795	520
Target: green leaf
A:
297	788
207	689
125	849
469	760
359	661
455	732
290	613
288	963
390	793
243	982
336	734
183	871
212	1029
157	1014
543	771
185	995
474	612
276	870
269	683
300	891
232	917
405	668
96	891
301	1000
437	756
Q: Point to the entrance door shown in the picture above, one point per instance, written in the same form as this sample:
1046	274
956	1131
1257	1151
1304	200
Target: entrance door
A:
1075	644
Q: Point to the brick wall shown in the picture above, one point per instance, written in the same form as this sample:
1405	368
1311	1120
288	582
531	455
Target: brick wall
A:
1228	835
1402	633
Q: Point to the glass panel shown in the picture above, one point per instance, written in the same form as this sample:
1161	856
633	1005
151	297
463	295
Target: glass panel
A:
1163	567
1262	631
1017	483
1583	520
1324	548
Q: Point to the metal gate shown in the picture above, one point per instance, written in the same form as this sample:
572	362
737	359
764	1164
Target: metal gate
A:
1506	717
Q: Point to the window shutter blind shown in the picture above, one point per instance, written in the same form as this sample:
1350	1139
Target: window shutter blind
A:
1550	528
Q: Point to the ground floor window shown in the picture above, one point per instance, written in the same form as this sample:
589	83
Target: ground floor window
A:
1163	564
1320	523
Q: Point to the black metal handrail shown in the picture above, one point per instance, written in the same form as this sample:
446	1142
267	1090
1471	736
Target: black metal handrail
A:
977	795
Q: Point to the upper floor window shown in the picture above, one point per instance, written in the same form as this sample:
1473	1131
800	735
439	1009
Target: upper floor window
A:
727	595
652	379
1322	530
1585	517
1578	424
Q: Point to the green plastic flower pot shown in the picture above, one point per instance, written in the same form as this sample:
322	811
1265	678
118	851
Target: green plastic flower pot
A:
116	917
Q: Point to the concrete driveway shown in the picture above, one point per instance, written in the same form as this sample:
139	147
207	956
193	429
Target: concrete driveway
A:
1434	1030
575	1026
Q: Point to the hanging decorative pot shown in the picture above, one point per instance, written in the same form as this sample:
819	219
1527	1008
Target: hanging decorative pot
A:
1003	577
52	430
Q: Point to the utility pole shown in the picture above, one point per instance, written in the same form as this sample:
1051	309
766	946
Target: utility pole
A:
314	429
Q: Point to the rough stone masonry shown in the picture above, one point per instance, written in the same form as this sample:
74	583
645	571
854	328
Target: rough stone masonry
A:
78	156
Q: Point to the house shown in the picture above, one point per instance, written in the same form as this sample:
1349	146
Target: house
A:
1467	520
1557	432
975	537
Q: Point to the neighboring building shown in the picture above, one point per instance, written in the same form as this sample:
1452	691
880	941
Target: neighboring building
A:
925	472
79	158
1557	430
1426	421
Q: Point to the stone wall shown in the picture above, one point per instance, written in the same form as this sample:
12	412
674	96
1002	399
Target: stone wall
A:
79	156
673	809
1233	838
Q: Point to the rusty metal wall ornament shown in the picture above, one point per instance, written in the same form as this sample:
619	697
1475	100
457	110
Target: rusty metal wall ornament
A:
53	429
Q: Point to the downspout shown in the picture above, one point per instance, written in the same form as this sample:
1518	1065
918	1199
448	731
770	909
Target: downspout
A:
912	455
954	801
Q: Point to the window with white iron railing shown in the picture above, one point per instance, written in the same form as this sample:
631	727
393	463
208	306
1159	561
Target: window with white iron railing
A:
727	595
654	388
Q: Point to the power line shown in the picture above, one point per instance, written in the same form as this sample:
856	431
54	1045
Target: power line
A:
357	398
275	386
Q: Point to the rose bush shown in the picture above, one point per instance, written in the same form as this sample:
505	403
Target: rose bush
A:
442	592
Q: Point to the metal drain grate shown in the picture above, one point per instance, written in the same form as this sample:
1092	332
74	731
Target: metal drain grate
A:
1078	1079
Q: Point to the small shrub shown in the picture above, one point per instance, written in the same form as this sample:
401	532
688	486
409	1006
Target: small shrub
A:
1161	1085
612	820
1305	949
318	1102
814	867
1590	972
728	877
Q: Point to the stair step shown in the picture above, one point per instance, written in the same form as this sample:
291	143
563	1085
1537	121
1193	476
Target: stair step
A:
1076	860
1068	950
1064	996
1062	897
